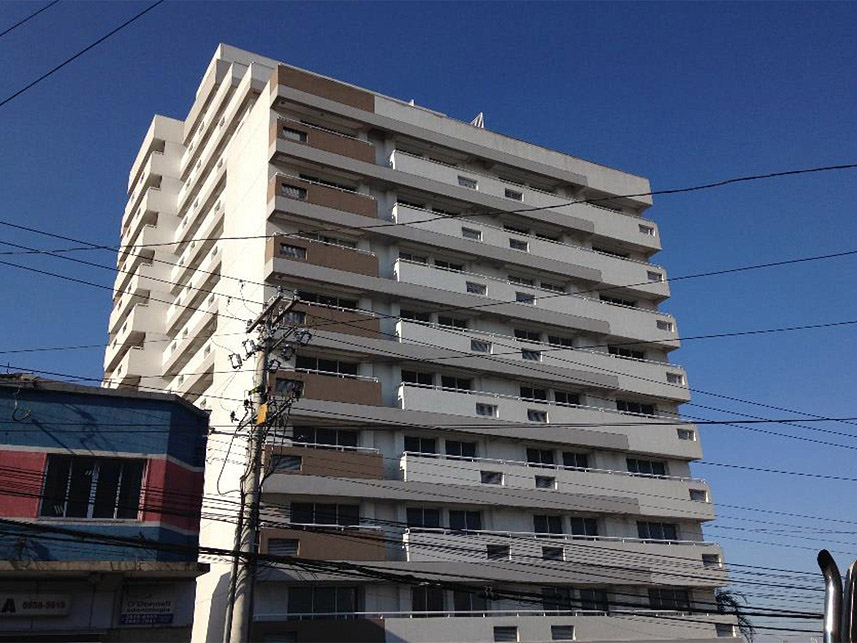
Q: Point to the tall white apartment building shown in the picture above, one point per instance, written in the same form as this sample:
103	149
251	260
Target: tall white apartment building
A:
488	400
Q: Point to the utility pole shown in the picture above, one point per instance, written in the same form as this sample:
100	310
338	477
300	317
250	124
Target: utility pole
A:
273	333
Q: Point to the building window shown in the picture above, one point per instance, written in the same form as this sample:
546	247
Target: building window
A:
545	482
297	317
518	229
448	265
292	252
84	487
594	600
407	256
584	526
289	388
326	300
423	517
465	520
415	315
724	630
547	524
664	325
411	204
461	449
486	410
528	335
323	365
321	600
699	495
664	598
416	444
647	230
557	599
426	599
468	602
283	546
313	513
637	408
647	467
331	241
553	553
525	298
455	383
416	377
321	438
612	253
532	393
575	460
675	378
513	194
470	233
498	552
618	351
452	322
619	301
534	415
532	356
293	191
566	398
284	463
546	285
467	182
556	340
664	531
475	288
686	434
505	633
294	134
480	346
538	457
519	244
562	632
491	477
654	276
522	281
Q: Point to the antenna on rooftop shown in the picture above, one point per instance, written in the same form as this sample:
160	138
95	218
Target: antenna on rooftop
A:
479	121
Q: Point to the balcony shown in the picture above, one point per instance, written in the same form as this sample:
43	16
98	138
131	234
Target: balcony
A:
325	140
334	387
645	434
614	225
614	270
633	323
143	319
200	285
639	376
661	496
137	363
327	460
191	337
319	253
288	189
659	558
137	290
333	319
327	542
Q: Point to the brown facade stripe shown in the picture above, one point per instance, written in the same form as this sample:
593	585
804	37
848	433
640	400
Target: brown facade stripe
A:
301	134
300	190
325	88
323	254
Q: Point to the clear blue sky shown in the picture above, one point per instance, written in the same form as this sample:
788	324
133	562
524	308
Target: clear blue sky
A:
680	93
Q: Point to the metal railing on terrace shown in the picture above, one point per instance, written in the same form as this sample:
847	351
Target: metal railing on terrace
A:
549	538
553	294
472	613
561	467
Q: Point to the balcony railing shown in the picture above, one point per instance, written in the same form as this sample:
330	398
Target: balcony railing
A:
559	467
474	613
548	538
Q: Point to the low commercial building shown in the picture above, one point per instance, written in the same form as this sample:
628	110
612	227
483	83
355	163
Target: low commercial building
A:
100	501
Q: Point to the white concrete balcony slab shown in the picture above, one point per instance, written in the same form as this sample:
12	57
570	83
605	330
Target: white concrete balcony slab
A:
198	372
195	252
677	562
615	271
129	270
182	348
138	362
154	198
607	223
143	320
157	229
634	323
645	434
639	376
195	214
198	288
137	289
661	496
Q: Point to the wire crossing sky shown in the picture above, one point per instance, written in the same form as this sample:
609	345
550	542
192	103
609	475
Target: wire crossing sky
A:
684	94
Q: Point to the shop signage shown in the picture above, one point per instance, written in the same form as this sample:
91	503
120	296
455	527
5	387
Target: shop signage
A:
33	605
147	605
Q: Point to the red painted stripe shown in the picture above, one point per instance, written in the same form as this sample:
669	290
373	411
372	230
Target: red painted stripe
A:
21	475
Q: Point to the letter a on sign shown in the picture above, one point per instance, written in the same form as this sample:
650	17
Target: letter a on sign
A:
8	606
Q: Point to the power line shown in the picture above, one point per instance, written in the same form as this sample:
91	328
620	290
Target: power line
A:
55	69
28	18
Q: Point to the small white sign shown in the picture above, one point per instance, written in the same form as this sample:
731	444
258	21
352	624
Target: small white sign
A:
147	605
33	605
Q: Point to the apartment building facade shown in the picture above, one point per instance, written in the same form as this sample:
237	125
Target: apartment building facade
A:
488	403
